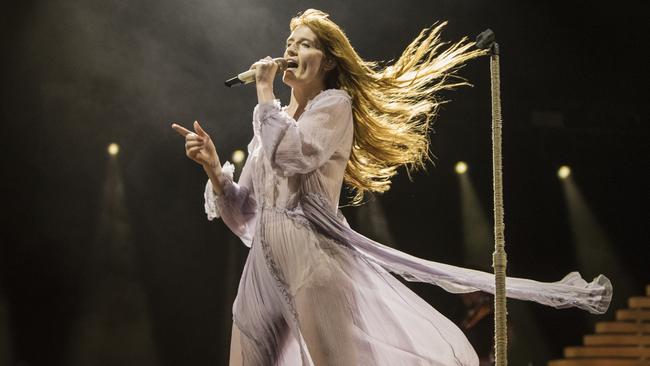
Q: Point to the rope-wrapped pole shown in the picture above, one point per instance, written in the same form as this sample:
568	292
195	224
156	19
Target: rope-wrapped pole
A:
499	258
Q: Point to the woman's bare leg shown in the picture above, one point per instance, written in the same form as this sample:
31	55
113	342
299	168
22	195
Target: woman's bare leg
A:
326	324
235	347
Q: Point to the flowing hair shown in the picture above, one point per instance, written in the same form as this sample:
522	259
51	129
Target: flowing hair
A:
392	106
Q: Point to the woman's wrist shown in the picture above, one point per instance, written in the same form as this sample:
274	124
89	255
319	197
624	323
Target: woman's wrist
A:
212	171
213	174
265	93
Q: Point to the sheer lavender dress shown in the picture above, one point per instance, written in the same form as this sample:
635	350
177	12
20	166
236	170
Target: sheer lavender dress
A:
313	291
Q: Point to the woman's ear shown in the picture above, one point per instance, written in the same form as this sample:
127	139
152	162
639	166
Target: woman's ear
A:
330	64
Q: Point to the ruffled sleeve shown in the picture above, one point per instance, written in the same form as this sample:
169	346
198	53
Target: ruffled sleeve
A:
237	206
301	147
211	206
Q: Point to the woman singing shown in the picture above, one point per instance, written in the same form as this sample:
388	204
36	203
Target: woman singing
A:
313	291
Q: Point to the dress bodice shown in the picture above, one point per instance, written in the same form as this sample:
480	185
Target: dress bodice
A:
288	157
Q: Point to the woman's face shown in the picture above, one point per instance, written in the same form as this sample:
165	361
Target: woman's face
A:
306	60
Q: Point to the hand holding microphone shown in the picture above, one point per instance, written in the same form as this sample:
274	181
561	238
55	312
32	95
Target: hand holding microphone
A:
263	71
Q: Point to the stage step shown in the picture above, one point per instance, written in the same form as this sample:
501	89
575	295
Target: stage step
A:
616	340
624	342
633	314
598	362
614	352
622	327
639	302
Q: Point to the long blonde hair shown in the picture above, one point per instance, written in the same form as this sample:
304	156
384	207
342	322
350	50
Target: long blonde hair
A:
392	106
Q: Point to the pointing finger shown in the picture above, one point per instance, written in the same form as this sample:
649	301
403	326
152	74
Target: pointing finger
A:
181	130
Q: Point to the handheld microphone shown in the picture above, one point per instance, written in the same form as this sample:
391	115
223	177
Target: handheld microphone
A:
249	76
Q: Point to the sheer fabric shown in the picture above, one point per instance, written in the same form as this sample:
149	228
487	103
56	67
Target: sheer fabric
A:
313	291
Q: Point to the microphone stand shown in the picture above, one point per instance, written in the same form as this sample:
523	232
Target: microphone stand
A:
485	40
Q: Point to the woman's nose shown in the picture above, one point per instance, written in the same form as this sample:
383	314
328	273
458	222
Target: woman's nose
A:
291	51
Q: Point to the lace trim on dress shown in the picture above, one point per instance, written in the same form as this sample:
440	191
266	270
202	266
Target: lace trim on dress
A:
211	204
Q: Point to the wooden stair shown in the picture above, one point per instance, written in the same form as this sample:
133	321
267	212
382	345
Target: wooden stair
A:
624	342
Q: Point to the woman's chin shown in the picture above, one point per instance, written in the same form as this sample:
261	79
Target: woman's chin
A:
289	79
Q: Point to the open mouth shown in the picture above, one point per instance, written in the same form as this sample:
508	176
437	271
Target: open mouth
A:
291	64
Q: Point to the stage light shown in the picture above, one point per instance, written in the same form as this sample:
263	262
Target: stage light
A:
238	156
113	149
461	167
564	172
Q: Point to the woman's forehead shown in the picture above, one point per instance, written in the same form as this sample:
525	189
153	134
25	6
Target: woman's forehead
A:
302	32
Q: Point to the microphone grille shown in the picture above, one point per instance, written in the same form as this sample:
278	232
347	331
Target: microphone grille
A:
282	63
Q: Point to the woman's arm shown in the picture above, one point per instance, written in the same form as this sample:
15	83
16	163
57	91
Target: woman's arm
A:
237	206
233	202
299	148
213	174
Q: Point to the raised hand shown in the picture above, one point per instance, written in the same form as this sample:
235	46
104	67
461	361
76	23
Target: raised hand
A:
265	71
199	146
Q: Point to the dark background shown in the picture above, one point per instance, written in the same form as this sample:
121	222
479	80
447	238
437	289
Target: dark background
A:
115	263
